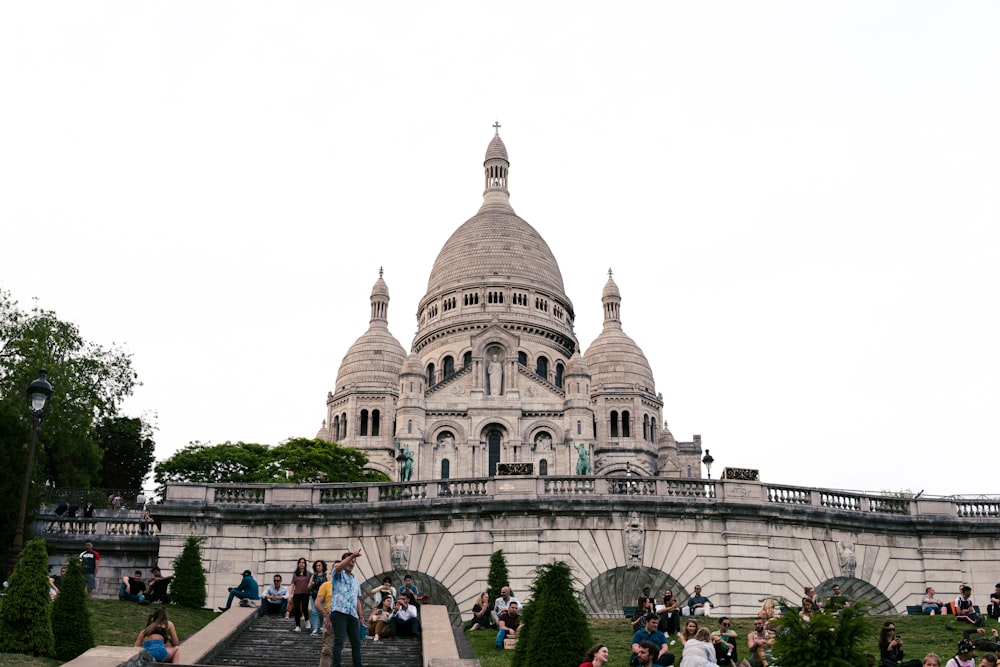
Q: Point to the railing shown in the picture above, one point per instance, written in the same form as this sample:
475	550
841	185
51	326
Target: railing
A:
100	527
733	491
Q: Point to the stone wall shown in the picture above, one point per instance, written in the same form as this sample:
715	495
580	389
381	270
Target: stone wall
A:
741	540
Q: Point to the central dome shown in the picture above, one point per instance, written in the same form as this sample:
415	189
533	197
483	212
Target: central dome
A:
495	243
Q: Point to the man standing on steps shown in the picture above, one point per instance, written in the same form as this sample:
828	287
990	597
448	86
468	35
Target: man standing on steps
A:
344	619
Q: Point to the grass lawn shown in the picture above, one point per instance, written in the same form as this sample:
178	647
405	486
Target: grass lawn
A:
117	624
921	635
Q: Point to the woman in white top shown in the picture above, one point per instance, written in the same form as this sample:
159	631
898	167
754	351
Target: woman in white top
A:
699	651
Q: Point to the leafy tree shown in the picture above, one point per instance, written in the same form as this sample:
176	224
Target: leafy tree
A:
90	383
15	433
71	624
835	639
299	460
25	611
498	576
555	629
127	447
187	588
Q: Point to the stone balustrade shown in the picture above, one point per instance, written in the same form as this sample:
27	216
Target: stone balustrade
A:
321	496
100	527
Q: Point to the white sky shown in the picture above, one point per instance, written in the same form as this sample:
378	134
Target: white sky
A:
800	203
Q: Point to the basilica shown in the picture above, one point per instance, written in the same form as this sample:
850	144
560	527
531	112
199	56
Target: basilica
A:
495	381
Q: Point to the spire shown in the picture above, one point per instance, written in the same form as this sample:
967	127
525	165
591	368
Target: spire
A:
380	302
496	167
612	300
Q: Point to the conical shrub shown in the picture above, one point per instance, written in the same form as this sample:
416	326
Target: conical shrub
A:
26	609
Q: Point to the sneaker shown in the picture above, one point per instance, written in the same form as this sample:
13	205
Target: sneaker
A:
309	625
296	629
223	609
374	638
314	634
244	603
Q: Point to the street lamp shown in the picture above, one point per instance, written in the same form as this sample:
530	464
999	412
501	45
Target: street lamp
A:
39	392
708	461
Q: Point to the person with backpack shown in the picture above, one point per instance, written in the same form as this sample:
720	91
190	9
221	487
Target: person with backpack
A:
966	655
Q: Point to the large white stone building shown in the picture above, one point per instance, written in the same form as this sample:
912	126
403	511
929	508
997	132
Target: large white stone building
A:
495	373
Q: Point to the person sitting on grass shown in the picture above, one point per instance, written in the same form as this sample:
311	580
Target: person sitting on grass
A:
965	610
159	638
657	638
481	616
597	656
132	588
509	619
890	647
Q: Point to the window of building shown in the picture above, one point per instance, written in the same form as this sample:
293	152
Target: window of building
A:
430	375
409	426
559	374
543	467
467	360
375	422
449	367
625	425
522	358
542	367
579	427
364	423
445	468
614	423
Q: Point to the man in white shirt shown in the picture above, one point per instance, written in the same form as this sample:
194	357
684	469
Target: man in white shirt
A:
502	603
275	598
403	621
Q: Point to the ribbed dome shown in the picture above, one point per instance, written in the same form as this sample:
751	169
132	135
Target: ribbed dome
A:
577	366
412	366
614	358
495	241
376	358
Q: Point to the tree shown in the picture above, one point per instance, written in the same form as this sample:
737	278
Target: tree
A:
25	610
71	624
299	460
835	639
554	629
498	576
90	383
187	589
127	451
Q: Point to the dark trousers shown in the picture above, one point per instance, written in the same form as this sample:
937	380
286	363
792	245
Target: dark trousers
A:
346	626
407	628
269	607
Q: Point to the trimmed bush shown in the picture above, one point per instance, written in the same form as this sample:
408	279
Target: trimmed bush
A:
836	639
26	609
187	589
498	577
71	624
554	630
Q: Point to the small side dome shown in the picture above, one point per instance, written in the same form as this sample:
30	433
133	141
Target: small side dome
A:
412	365
380	289
577	365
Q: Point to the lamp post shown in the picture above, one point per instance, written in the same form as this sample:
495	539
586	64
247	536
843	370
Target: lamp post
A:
708	461
39	392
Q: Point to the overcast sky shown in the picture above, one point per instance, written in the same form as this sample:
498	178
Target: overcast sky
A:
800	203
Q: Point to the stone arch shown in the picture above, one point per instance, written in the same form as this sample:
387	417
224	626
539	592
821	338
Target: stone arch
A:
612	589
556	432
442	425
857	589
427	585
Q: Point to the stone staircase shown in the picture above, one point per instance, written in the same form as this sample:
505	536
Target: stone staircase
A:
269	642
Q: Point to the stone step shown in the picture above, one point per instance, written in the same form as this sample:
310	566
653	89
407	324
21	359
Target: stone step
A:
269	641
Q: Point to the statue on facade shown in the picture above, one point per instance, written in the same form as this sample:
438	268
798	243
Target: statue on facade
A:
399	552
543	443
634	537
583	460
848	562
495	373
407	473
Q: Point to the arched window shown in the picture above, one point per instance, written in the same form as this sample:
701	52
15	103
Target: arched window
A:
364	423
645	427
522	358
559	374
625	424
375	422
543	467
430	375
579	427
689	471
542	367
467	360
449	367
343	425
614	423
336	428
445	468
409	426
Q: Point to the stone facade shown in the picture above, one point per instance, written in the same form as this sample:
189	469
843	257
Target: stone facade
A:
495	373
740	539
